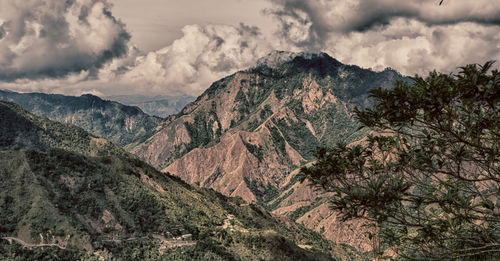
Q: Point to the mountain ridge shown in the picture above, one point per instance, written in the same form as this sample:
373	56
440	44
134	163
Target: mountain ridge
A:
108	119
161	106
300	96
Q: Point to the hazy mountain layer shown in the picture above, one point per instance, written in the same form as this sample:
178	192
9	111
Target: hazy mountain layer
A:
111	120
161	106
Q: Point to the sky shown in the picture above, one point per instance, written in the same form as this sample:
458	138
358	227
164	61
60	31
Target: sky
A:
172	47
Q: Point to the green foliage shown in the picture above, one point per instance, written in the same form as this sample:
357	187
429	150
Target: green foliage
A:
8	217
16	252
256	150
298	136
68	188
265	112
300	211
278	140
277	200
19	129
263	193
201	130
428	175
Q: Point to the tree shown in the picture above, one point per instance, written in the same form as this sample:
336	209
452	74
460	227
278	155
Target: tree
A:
428	175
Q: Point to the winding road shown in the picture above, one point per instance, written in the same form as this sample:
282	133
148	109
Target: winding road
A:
29	245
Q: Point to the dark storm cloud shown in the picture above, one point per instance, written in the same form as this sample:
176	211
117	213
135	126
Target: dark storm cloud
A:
317	20
381	12
410	36
2	32
50	39
301	23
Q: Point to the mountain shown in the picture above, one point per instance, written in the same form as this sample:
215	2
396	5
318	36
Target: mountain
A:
22	129
161	106
67	195
247	133
110	120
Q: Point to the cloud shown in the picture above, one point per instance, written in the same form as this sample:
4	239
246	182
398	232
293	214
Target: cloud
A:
323	17
191	63
410	36
52	38
77	46
411	46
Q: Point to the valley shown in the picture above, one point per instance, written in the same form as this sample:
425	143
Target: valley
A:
249	130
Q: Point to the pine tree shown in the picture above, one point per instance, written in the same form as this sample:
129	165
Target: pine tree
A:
428	175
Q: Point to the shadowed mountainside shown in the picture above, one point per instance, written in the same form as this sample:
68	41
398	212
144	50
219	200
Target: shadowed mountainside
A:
161	106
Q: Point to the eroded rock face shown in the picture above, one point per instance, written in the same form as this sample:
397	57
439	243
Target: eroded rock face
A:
241	163
288	105
309	206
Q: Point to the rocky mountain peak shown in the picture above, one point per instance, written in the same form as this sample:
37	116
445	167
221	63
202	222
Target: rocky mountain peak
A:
277	58
288	111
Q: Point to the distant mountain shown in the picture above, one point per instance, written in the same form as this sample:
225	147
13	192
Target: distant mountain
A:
111	120
68	195
161	106
22	129
247	132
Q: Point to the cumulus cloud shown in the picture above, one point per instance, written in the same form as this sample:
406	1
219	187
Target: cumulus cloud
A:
53	38
410	36
77	46
191	63
411	47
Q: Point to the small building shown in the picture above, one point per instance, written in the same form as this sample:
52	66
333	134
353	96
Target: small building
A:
187	236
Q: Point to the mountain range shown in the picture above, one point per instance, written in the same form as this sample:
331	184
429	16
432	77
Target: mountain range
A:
246	137
160	106
69	195
108	119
